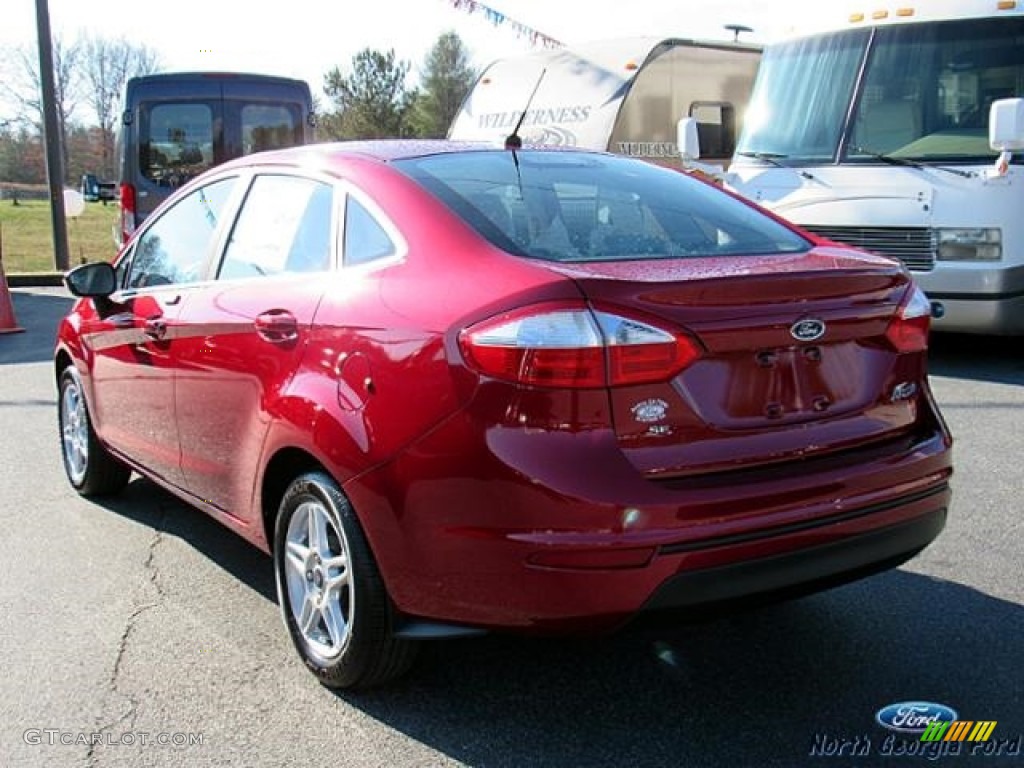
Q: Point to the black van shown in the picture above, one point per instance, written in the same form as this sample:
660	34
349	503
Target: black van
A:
175	126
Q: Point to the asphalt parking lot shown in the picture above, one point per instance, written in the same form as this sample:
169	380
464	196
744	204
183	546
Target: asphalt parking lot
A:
139	619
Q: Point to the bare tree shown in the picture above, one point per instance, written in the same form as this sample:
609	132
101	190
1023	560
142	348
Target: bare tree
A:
24	87
107	65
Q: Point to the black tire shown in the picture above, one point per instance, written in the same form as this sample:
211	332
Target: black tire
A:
91	469
337	614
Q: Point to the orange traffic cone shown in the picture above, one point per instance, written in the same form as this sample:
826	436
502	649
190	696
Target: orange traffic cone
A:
7	322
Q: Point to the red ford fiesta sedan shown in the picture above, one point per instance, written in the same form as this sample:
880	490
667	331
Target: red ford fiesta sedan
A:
453	388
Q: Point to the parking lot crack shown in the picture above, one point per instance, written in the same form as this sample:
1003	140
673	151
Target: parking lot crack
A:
116	695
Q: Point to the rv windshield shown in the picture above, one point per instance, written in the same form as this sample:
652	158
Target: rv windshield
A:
924	93
801	97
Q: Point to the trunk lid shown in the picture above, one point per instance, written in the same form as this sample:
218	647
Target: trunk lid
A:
795	360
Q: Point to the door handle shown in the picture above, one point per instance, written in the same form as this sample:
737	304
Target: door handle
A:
277	326
155	328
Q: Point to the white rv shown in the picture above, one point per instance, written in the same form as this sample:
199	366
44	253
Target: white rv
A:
623	96
876	132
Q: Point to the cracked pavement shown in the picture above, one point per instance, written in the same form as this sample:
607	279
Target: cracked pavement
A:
126	722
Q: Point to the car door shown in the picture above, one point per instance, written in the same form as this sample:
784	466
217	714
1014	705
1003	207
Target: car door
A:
136	333
247	330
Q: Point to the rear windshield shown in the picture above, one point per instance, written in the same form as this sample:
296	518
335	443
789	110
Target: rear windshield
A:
577	207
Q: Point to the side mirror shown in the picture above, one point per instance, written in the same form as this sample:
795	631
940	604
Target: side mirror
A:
687	139
1006	125
97	280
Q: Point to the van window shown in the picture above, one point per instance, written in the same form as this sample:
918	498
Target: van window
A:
266	126
177	142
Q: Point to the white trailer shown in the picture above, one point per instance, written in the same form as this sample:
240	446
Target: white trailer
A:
876	132
624	96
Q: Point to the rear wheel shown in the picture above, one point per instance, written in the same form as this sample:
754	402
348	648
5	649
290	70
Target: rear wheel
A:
90	468
331	593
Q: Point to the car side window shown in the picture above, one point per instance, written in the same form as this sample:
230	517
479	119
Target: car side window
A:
365	238
173	249
121	271
284	227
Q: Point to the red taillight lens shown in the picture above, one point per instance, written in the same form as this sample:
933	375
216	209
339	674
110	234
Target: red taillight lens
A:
570	345
544	367
639	353
908	330
126	198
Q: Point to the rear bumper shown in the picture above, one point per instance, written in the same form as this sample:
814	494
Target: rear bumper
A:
549	532
801	571
979	314
976	299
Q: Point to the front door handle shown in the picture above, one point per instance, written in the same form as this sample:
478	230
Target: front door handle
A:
277	326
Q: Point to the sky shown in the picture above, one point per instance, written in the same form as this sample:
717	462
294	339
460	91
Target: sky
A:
307	38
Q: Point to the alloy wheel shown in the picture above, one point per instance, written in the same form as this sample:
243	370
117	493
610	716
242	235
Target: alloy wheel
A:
317	576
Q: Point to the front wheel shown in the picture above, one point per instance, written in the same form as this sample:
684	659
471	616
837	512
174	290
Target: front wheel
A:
90	468
332	597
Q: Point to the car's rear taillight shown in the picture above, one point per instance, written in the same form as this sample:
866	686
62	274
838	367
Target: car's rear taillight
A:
126	198
571	345
908	330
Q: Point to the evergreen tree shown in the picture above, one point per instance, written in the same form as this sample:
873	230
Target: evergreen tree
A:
447	78
372	102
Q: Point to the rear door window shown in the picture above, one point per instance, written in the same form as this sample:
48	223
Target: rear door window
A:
177	141
284	226
366	239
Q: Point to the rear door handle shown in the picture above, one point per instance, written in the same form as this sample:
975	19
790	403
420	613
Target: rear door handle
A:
277	326
155	328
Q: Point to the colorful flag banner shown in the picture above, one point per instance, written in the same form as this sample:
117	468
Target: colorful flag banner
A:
498	19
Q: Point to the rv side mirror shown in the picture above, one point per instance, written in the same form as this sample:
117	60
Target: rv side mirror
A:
1006	125
687	139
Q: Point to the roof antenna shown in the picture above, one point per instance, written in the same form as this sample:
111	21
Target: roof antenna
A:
514	141
736	29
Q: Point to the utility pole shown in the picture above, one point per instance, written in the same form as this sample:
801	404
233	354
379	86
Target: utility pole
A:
51	134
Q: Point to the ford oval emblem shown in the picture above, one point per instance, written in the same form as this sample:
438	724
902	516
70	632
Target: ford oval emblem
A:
914	716
807	330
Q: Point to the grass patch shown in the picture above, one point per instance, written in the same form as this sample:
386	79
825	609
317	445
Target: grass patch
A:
28	237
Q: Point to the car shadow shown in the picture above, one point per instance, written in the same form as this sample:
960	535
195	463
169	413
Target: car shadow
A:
752	689
997	359
755	689
39	312
148	504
